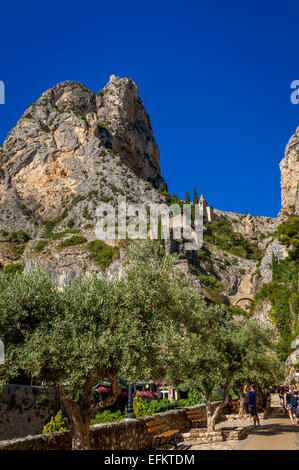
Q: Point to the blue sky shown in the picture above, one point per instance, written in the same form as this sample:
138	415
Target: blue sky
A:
214	76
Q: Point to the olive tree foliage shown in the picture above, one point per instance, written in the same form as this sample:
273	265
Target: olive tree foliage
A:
215	348
94	329
262	368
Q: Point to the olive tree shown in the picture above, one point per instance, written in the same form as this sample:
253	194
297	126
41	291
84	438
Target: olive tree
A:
262	368
94	329
214	349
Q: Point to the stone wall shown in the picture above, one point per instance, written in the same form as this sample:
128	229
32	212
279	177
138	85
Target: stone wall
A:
25	410
127	434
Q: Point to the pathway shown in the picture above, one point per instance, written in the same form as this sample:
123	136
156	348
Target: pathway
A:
275	433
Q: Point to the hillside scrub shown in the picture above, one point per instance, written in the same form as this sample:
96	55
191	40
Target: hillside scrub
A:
219	233
283	291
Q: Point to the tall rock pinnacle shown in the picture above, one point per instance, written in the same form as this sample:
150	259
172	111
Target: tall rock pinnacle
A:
289	167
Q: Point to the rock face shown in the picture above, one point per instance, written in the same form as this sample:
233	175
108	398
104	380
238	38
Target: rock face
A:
279	251
289	167
70	151
292	359
70	140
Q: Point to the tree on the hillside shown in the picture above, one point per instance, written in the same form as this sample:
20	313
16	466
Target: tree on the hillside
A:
212	353
187	198
175	199
94	329
194	202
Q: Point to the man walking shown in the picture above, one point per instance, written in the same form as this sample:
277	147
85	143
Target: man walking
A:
251	393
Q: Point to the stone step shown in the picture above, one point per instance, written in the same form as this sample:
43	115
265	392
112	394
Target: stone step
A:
200	436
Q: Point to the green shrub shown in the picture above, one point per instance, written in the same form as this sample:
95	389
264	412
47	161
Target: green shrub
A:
288	233
86	214
58	235
139	408
194	398
211	282
14	268
164	404
77	199
39	246
158	406
217	297
70	223
19	250
107	416
103	124
45	128
102	253
72	241
57	423
233	310
219	233
166	195
19	237
49	225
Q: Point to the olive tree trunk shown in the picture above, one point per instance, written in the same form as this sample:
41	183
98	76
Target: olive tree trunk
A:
213	414
242	405
79	423
79	412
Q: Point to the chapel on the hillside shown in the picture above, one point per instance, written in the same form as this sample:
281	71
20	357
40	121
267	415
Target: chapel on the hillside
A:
208	213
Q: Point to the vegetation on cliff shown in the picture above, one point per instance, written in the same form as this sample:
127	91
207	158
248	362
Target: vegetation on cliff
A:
220	233
283	291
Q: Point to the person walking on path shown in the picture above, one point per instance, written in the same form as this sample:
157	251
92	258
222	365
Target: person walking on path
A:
290	403
251	393
267	410
281	397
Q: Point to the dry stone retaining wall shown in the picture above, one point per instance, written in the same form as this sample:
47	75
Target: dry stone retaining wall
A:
127	434
25	410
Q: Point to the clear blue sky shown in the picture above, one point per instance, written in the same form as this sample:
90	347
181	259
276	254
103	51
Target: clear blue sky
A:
214	77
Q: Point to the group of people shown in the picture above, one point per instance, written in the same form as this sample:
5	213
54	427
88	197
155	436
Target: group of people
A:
289	401
289	398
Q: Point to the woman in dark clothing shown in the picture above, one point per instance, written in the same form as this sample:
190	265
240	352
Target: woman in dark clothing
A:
251	393
281	397
288	403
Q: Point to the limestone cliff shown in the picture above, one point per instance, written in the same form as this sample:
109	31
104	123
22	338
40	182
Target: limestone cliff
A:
289	167
71	150
72	141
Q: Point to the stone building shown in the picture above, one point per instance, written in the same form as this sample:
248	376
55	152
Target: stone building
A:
208	214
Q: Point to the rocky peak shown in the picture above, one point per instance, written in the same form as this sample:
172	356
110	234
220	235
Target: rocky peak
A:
128	127
72	141
289	167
